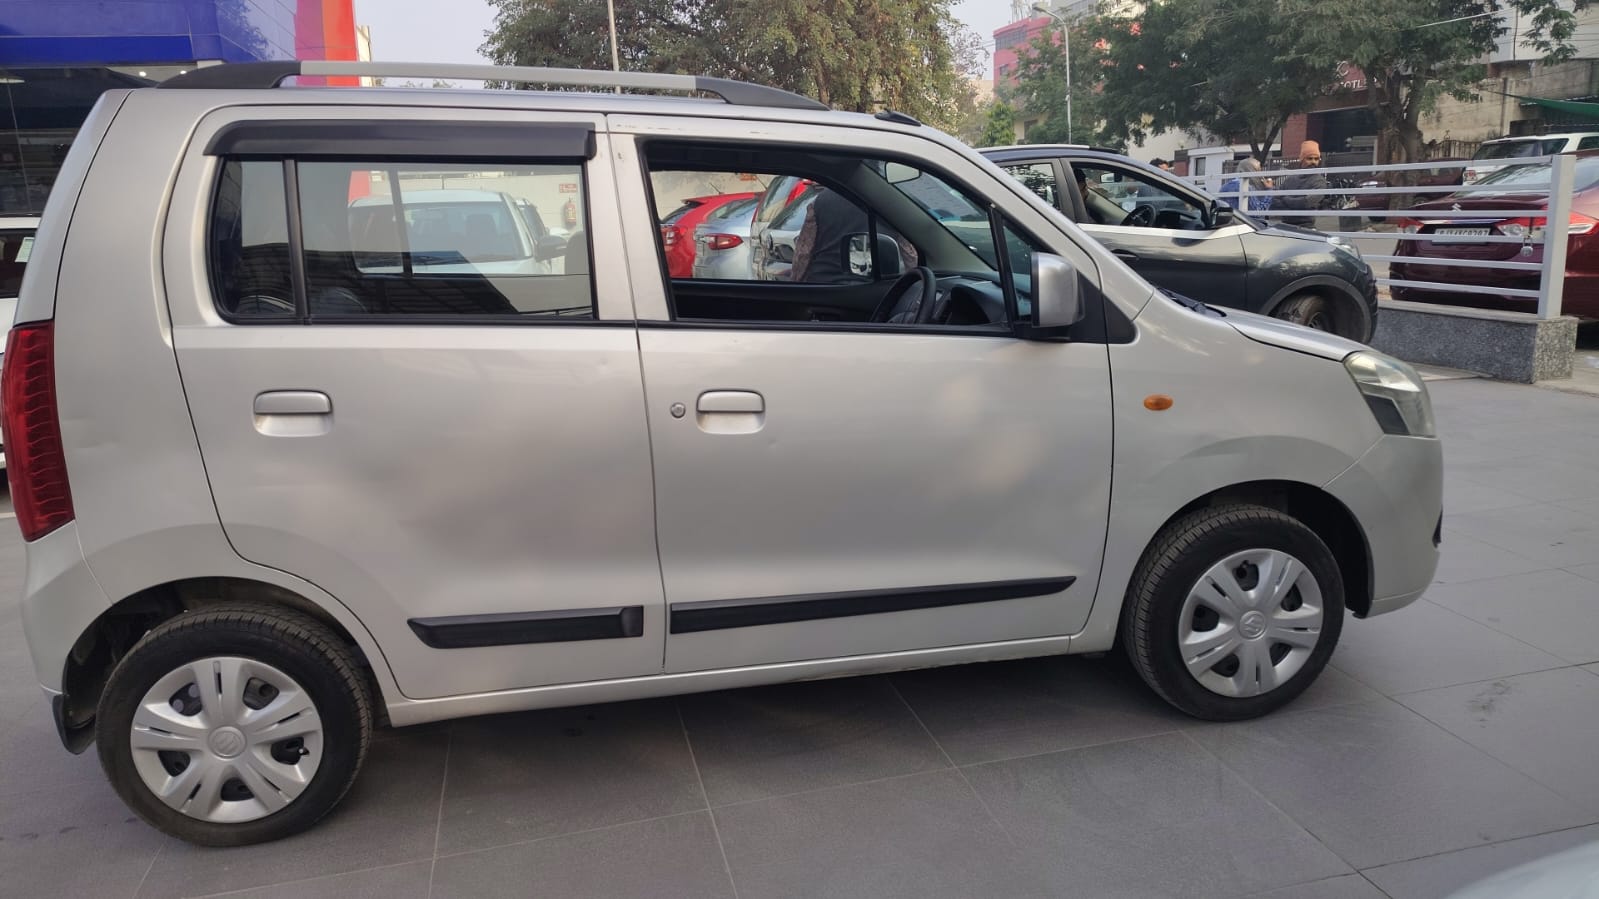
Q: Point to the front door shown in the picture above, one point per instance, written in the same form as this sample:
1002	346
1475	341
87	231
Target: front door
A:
1162	231
839	487
397	401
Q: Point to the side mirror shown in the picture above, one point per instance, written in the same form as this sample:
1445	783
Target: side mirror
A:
549	247
858	253
1221	214
1057	295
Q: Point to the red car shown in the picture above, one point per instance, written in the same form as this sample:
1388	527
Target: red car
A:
1520	187
677	230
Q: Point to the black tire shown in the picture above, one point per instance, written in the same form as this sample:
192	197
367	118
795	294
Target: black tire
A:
1174	563
1311	310
290	641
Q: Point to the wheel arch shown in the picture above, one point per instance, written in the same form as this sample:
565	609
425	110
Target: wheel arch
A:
1319	510
115	631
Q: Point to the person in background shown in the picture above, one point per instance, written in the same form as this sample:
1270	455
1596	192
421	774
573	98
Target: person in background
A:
819	246
1309	158
1162	164
1252	187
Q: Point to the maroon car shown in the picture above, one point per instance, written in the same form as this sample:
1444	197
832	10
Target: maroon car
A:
1518	187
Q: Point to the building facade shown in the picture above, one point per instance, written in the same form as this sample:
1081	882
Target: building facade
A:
58	56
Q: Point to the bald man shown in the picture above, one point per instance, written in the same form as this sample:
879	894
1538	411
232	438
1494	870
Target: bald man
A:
1309	158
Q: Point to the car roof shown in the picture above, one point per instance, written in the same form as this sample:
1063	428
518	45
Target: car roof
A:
1563	135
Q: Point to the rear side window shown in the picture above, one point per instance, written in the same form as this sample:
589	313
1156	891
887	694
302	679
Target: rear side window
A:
15	247
327	241
1588	143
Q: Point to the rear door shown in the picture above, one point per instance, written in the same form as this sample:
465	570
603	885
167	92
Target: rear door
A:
398	409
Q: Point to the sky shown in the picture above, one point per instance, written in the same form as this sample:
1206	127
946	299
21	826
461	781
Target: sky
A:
422	31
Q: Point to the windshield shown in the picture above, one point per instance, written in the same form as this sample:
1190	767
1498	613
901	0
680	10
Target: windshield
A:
1524	178
1520	149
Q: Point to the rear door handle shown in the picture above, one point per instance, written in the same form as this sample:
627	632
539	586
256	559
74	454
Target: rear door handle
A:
746	401
1128	255
293	402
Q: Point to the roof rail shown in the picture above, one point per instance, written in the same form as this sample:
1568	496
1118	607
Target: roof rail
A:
258	75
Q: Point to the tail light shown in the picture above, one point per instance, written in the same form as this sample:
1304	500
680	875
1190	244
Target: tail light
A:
1471	176
722	241
1409	226
1533	228
669	235
32	431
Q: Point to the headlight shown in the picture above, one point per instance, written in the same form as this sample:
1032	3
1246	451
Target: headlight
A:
1394	392
1339	243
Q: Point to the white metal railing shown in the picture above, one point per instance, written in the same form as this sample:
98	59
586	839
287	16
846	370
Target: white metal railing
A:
1551	268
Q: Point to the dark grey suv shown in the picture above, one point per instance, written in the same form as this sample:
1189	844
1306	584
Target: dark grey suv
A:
1192	244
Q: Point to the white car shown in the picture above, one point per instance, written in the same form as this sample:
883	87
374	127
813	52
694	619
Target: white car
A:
349	490
1493	155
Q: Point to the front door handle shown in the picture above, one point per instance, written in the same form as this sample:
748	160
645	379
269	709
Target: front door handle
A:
293	402
1128	255
746	401
730	412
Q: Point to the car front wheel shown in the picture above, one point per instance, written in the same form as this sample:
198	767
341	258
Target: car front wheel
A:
234	724
1233	611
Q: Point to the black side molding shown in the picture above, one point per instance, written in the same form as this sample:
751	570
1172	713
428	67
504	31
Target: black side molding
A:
506	629
721	614
384	139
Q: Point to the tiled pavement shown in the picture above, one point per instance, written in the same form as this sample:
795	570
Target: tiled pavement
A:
1450	740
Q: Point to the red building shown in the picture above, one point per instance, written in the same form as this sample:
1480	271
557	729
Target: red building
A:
1011	43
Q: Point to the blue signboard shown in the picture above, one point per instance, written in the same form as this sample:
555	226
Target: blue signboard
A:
150	32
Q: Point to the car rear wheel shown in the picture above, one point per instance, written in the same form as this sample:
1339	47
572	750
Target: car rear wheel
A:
235	724
1233	611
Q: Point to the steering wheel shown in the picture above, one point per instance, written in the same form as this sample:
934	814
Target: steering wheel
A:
1142	216
903	305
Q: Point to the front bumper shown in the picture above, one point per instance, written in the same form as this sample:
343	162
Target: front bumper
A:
1395	492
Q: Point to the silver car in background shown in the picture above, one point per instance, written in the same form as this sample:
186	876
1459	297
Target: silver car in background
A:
722	243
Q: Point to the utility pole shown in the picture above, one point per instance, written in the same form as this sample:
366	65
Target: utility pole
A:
1066	39
616	55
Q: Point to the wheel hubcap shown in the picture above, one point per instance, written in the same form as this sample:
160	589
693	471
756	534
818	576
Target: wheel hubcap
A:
226	739
1250	622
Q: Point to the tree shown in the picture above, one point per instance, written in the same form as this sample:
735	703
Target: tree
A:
908	55
1414	51
999	129
1201	65
1041	88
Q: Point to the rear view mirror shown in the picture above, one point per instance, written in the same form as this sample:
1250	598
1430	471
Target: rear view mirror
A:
857	251
549	247
1221	214
1057	296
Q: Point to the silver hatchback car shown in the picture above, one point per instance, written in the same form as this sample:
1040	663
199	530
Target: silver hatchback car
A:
357	469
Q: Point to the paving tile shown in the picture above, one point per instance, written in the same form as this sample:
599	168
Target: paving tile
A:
1153	816
407	881
390	816
1554	610
72	841
661	859
920	836
33	754
768	741
1549	480
1462	495
1441	875
1001	710
1378	783
1547	533
540	774
1462	558
1424	645
1561	707
1349	886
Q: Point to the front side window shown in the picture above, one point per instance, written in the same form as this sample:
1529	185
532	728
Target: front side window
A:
855	239
430	239
1116	196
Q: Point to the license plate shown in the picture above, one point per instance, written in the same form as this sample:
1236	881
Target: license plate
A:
1461	232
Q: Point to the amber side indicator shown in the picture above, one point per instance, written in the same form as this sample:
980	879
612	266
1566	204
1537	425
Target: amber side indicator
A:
1157	402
